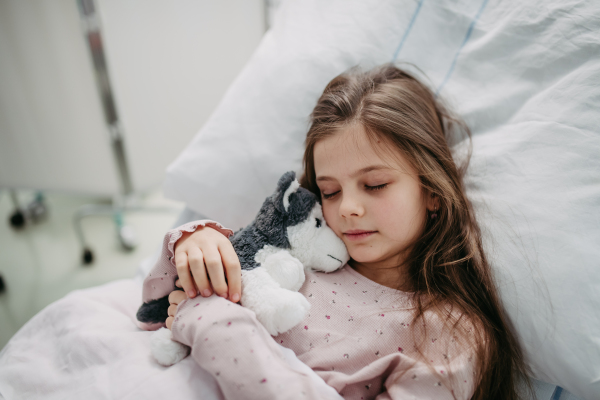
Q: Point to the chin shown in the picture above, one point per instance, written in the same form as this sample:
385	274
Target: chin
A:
362	256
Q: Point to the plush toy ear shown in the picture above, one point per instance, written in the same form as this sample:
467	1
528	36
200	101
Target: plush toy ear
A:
271	219
287	185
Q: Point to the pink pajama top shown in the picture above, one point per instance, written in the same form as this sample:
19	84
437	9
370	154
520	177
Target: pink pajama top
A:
357	337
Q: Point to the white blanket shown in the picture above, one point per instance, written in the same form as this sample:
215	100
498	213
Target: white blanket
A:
87	345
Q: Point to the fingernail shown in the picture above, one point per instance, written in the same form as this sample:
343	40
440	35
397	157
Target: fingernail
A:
235	298
224	295
191	294
206	293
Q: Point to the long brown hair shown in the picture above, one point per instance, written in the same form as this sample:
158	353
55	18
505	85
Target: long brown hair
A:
447	266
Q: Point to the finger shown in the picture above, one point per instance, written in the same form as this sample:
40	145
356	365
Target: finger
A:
214	267
183	271
233	269
196	260
176	297
178	284
172	310
169	322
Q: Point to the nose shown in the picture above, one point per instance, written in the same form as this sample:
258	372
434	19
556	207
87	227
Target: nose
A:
351	207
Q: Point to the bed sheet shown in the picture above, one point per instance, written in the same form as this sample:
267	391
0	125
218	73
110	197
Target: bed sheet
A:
87	345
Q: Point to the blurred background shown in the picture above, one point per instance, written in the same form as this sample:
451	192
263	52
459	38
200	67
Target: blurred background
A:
97	97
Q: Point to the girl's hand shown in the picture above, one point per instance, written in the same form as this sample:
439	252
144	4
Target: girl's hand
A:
204	258
175	297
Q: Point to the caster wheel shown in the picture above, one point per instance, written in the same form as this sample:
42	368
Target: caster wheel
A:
88	257
2	285
17	219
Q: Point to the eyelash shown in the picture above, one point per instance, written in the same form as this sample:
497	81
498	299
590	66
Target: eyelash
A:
372	188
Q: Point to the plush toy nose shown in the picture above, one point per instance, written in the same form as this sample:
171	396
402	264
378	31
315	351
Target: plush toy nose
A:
334	250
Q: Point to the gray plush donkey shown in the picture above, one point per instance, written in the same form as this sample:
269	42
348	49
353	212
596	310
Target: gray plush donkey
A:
288	235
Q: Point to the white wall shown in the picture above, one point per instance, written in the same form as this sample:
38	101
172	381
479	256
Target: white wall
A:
169	62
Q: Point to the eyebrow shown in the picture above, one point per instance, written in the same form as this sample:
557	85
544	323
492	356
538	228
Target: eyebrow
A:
356	173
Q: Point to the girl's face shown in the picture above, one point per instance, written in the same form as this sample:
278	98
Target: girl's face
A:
372	199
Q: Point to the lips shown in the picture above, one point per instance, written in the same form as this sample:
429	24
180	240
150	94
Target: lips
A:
358	234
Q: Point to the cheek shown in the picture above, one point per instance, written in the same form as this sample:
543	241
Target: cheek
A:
400	215
329	213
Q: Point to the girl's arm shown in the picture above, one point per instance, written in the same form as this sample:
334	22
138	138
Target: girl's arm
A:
228	341
183	251
447	374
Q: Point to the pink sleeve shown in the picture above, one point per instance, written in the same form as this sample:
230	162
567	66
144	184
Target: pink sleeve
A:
228	341
453	378
161	279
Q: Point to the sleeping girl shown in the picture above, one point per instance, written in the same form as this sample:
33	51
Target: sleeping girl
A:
413	314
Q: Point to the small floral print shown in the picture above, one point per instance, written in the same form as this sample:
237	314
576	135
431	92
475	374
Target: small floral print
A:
334	292
264	380
310	295
377	353
332	302
400	349
213	359
437	384
281	341
218	373
229	323
415	377
382	315
306	327
313	281
351	318
199	318
205	339
364	291
441	371
235	360
355	283
346	355
433	340
328	317
368	386
197	304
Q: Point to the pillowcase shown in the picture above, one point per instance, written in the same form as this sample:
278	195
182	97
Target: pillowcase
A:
524	76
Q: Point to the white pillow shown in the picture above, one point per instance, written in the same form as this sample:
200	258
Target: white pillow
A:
524	75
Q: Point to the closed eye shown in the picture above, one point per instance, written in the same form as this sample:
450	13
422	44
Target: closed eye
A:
378	187
330	195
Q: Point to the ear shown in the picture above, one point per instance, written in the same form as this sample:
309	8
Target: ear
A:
286	195
287	185
432	201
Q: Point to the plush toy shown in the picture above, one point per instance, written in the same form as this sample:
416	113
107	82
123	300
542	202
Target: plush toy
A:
288	235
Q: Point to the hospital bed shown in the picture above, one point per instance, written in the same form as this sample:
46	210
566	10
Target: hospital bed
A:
525	76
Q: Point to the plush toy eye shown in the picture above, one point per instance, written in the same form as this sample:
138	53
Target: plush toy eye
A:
318	222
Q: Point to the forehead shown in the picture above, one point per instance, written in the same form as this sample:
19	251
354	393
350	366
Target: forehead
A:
349	150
